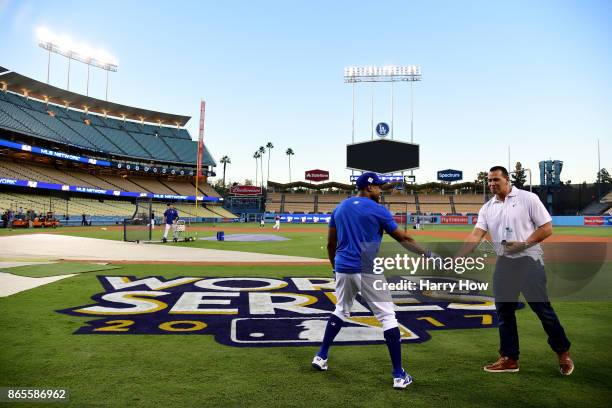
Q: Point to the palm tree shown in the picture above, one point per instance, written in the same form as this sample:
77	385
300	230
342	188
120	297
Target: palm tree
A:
270	146
256	157
289	153
225	160
261	151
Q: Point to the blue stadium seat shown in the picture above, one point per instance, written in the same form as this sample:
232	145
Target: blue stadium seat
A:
61	129
156	146
124	141
187	150
8	122
101	142
107	135
29	122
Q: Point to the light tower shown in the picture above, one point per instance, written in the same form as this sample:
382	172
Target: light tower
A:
65	46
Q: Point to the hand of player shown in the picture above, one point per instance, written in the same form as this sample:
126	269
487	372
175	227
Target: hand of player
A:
514	247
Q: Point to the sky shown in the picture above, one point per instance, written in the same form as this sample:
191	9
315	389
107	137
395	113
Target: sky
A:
532	78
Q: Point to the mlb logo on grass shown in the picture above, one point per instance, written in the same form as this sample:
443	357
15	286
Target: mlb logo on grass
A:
265	312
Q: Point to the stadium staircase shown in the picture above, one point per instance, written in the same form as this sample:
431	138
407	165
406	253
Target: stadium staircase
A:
452	204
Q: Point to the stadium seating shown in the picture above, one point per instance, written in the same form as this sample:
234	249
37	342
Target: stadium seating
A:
218	210
434	204
327	202
273	202
152	185
77	177
400	203
299	203
91	134
92	180
76	206
25	171
124	141
106	135
155	146
468	203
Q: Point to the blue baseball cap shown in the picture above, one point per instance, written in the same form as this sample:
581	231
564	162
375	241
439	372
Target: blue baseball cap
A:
368	179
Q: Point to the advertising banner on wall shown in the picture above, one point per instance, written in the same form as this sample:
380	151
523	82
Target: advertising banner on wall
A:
316	175
454	219
245	190
598	220
450	175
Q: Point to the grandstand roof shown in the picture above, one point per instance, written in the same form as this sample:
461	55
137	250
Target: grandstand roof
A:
21	84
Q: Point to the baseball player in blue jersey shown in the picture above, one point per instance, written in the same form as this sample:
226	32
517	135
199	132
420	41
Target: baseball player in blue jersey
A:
171	216
357	222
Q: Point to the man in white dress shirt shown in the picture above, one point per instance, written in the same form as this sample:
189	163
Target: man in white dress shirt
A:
517	222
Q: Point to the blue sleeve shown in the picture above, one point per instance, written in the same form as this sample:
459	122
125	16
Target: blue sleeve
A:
386	220
332	220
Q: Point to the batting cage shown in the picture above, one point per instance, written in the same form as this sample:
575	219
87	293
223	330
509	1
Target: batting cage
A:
138	228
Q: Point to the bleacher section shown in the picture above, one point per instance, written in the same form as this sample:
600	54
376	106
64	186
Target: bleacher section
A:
121	183
207	189
76	206
468	203
273	202
395	203
220	211
152	185
104	135
434	204
299	203
327	202
74	177
400	203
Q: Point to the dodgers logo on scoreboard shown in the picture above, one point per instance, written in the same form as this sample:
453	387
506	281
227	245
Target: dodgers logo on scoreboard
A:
382	129
256	312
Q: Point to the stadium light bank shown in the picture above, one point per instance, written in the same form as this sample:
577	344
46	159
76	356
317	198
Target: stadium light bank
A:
67	47
386	73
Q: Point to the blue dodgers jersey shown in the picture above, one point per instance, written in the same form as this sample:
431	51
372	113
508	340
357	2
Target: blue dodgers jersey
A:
171	214
359	222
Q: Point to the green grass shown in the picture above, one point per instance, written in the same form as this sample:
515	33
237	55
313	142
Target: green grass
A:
60	268
39	350
194	371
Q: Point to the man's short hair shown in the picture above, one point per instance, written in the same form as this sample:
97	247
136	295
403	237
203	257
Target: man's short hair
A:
500	168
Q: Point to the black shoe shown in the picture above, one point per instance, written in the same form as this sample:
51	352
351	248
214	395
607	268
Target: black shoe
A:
164	240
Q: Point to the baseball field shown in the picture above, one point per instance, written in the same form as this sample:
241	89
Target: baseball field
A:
250	349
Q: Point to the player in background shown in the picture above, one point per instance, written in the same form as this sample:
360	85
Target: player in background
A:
171	217
355	223
262	222
276	222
